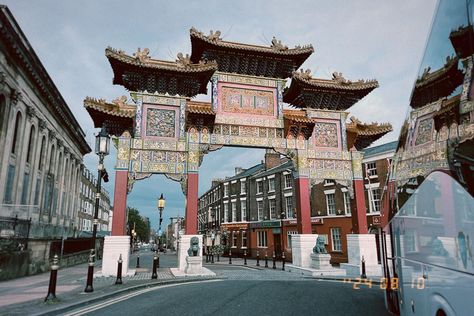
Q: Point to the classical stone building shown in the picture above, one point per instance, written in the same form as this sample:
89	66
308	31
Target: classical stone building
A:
41	150
85	215
254	210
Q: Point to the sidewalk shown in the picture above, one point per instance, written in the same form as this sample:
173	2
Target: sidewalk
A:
25	296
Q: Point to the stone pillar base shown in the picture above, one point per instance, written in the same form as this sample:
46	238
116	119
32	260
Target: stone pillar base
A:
193	265
184	243
359	245
114	246
302	248
320	261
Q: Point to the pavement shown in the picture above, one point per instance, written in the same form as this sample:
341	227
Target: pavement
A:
25	296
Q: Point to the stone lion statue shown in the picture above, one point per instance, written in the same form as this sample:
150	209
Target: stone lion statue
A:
193	250
319	247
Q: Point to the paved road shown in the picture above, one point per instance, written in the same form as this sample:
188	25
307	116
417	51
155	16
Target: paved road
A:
247	292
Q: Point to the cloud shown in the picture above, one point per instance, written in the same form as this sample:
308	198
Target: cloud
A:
362	39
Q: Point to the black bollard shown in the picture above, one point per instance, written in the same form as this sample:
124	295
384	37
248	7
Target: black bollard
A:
230	256
90	273
52	280
212	257
218	257
138	261
245	257
258	259
154	275
119	270
363	275
157	260
283	261
274	261
266	260
207	256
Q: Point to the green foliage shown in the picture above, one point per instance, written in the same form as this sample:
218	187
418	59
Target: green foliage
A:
217	249
142	226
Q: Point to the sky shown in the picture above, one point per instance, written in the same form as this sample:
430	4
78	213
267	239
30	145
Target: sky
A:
363	39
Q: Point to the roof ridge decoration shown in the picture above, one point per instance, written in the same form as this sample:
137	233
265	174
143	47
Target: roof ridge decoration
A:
277	45
427	74
142	56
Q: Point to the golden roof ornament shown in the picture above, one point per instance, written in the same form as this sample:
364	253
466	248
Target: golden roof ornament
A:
277	45
355	120
142	56
304	74
215	37
183	60
120	101
338	77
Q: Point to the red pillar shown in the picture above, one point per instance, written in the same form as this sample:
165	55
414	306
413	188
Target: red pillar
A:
303	210
359	215
120	203
192	204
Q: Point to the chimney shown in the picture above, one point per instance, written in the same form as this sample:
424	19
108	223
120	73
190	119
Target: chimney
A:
272	159
215	182
239	170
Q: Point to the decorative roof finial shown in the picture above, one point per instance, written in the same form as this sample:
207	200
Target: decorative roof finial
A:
277	45
120	101
142	56
183	60
338	77
214	36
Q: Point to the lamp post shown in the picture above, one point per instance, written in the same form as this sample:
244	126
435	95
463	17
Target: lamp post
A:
102	148
161	206
213	234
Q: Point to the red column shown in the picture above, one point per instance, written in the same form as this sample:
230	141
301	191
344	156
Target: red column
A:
303	210
192	204
120	203
359	215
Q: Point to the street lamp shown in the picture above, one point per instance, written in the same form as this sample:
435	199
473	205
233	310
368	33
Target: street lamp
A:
102	148
161	206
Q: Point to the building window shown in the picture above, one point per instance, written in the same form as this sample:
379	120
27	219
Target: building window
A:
374	200
272	206
289	207
24	193
8	197
371	169
242	187
234	211
347	202
271	185
16	131
336	239
290	233
260	210
328	182
234	239
288	181
243	210
42	153
262	238
259	187
244	239
330	204
226	212
31	143
226	190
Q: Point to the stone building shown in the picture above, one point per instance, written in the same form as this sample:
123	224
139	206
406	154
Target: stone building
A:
254	210
86	211
41	150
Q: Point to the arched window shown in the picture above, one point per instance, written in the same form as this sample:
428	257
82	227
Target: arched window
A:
41	157
51	160
16	133
31	143
3	108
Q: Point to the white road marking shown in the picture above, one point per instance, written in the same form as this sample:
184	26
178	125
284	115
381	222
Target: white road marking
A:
128	296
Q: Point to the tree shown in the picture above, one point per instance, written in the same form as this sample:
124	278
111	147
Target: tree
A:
141	224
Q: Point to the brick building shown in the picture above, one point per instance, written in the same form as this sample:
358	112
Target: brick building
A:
254	210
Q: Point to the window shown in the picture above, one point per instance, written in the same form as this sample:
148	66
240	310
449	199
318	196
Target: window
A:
234	211
371	170
244	239
330	204
226	212
328	182
260	210
16	133
259	187
288	181
272	206
242	186
262	238
336	239
271	185
374	200
226	190
290	233
24	193
347	202
31	143
234	239
8	197
243	210
289	207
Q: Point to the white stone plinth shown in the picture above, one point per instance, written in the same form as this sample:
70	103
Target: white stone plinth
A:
184	242
114	246
302	248
320	261
359	245
193	265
